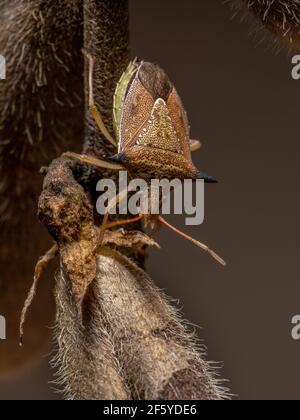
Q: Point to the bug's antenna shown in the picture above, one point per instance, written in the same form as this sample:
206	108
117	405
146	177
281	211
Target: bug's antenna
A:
39	269
189	238
92	106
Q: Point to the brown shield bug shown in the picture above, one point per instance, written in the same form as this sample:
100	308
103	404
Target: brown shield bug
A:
151	127
152	134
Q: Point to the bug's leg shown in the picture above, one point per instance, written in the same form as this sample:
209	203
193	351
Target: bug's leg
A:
92	106
94	162
40	267
111	204
123	222
102	229
105	225
194	241
195	145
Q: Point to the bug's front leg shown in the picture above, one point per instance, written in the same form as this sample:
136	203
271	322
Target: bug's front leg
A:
98	163
111	205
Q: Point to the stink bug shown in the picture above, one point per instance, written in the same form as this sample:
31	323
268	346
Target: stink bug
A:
151	126
152	134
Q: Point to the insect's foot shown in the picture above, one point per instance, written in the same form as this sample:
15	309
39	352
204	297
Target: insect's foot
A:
206	178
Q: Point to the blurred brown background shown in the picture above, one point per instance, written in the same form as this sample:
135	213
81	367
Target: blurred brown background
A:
243	104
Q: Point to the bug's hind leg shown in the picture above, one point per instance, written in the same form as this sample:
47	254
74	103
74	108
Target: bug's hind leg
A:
92	106
194	241
40	267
